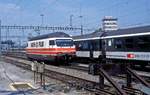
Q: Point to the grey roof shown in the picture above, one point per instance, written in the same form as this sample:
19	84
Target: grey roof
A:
51	35
133	30
91	35
142	29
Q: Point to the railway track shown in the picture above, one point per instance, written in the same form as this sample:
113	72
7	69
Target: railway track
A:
75	65
84	67
139	68
71	80
77	81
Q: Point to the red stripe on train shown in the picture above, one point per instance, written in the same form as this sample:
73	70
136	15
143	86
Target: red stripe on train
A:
45	49
50	52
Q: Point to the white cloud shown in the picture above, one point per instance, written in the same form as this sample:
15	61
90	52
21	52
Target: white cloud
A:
9	7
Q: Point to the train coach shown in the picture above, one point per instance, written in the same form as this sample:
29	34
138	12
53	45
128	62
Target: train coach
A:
88	46
57	47
130	45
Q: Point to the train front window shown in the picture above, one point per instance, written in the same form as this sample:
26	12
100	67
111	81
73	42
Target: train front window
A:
64	42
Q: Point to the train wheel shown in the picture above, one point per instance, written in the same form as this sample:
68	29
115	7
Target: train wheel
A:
66	60
57	62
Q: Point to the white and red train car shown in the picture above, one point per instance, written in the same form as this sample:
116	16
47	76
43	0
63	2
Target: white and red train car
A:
56	47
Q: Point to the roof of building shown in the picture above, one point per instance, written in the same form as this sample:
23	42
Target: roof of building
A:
50	35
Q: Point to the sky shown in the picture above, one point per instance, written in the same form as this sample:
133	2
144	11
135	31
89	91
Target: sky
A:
57	12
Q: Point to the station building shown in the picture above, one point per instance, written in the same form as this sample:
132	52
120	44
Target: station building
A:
109	23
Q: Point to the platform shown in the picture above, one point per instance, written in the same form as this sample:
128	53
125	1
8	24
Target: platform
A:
15	80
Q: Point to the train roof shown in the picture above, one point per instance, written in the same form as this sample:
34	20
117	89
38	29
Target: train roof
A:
50	35
88	36
129	31
117	33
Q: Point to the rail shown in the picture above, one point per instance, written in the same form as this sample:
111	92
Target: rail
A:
132	73
76	81
123	90
105	75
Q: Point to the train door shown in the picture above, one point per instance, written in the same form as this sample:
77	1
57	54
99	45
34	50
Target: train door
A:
96	51
91	48
104	48
51	43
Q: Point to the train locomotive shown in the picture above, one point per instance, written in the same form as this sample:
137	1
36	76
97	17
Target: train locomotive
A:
55	47
130	45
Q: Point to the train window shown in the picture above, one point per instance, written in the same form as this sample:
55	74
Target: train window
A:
95	45
33	44
41	44
78	45
143	42
109	43
118	43
51	42
83	45
129	43
64	42
37	44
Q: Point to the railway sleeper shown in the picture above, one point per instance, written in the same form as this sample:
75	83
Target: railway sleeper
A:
133	91
73	79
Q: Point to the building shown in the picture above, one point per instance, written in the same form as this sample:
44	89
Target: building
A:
5	45
109	23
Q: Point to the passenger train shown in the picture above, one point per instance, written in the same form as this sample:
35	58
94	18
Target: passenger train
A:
130	45
88	46
56	47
